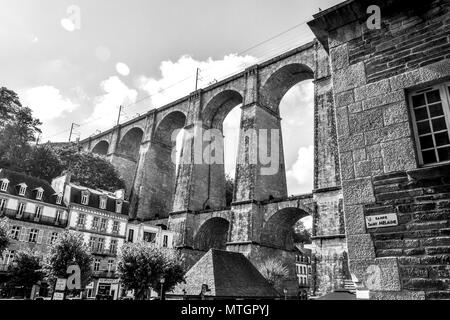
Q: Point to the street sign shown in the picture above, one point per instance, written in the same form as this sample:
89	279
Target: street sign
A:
58	296
381	220
60	284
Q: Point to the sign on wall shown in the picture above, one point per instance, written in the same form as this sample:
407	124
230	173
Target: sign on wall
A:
60	284
381	221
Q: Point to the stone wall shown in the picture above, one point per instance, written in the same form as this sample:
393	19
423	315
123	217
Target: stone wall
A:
372	72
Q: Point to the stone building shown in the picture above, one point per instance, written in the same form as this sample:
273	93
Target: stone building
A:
303	267
157	235
101	217
392	98
35	211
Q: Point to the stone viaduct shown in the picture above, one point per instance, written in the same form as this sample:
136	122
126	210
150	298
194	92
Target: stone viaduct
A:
190	200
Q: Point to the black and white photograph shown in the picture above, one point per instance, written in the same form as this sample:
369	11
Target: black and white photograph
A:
227	158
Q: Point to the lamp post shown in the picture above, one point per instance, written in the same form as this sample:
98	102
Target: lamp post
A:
162	280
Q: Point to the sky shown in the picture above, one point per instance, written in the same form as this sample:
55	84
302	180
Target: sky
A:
76	61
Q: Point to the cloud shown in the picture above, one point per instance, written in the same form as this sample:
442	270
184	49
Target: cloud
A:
300	176
178	78
106	106
47	102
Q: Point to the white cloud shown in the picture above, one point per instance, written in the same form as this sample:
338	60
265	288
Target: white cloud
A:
47	102
173	83
106	106
300	176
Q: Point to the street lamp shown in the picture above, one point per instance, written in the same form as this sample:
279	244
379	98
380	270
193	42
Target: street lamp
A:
162	280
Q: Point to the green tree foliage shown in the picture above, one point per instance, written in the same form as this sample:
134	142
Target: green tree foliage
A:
68	249
43	162
89	170
301	233
274	271
4	239
141	265
26	270
229	186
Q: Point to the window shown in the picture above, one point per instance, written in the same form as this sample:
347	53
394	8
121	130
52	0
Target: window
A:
92	241
103	202
58	215
9	257
110	265
118	206
2	204
38	212
15	232
95	223
113	247
33	235
23	189
100	245
431	118
130	235
96	264
39	194
165	240
4	185
149	236
53	237
309	270
59	199
81	220
103	224
115	228
21	208
85	198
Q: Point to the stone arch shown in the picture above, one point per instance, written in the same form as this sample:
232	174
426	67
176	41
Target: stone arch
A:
101	148
278	230
130	144
213	233
284	78
219	106
161	189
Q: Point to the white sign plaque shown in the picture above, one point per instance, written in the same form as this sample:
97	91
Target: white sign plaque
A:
60	284
58	296
381	220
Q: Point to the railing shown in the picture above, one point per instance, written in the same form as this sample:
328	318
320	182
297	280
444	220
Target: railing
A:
31	217
104	252
105	274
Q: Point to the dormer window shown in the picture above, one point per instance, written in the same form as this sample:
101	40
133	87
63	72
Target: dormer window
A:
59	198
22	189
39	193
119	206
4	184
85	198
103	202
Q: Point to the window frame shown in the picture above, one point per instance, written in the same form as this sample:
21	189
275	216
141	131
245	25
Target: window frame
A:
35	234
21	207
4	185
85	198
3	202
14	233
82	225
444	91
22	190
39	194
103	202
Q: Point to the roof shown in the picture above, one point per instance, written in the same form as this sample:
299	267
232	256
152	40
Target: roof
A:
94	199
303	250
227	274
33	184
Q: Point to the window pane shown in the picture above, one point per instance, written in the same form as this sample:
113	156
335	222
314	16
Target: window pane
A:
433	96
444	154
418	100
436	110
421	114
441	139
423	127
426	142
439	124
429	156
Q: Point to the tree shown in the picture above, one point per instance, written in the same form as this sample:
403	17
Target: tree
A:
89	170
274	272
68	249
141	265
9	103
44	163
229	186
25	271
301	233
4	239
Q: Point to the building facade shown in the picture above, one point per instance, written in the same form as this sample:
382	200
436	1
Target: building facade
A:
156	234
303	268
35	212
101	217
390	73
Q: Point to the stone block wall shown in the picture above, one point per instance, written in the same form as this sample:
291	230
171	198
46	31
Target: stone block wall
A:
372	72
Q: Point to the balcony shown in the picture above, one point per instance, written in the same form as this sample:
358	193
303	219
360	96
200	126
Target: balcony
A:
30	217
105	274
103	252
